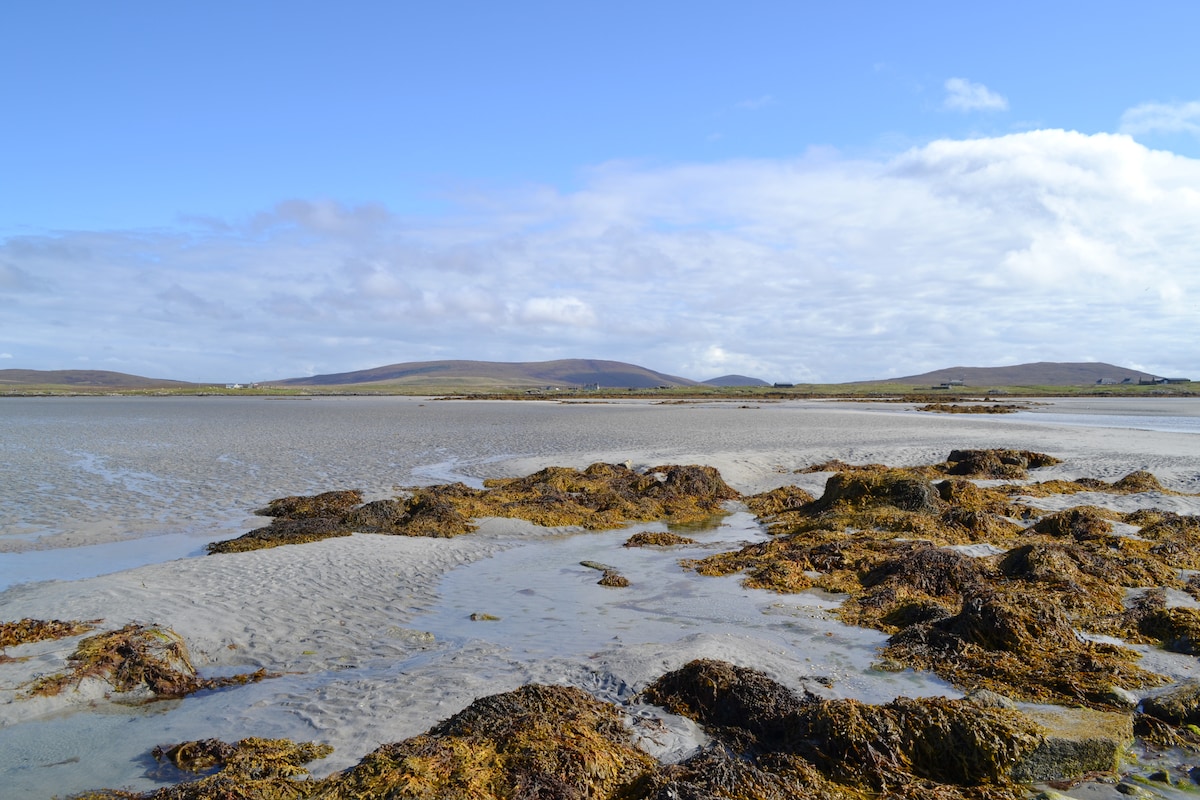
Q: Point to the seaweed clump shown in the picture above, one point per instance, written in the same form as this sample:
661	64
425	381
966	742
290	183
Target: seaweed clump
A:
143	662
843	748
949	570
657	539
28	631
536	741
603	496
251	769
1007	640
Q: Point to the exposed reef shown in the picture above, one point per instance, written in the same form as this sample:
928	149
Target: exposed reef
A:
603	496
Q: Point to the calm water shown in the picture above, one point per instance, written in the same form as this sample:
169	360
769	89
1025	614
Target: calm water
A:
101	484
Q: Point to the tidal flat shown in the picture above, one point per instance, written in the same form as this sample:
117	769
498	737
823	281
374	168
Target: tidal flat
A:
108	504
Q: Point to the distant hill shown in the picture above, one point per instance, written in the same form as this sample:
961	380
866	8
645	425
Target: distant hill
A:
734	380
1042	373
86	379
565	373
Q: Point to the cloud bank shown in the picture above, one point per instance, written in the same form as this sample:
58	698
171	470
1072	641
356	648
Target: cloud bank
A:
1048	245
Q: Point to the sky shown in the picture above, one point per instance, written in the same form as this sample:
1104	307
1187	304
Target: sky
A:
794	191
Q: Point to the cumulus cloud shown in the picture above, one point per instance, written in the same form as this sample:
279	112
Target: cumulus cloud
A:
1040	246
963	95
1162	118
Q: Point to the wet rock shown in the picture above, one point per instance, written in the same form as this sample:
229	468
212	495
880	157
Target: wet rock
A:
900	488
1075	742
613	579
1179	705
777	501
748	704
998	463
1082	523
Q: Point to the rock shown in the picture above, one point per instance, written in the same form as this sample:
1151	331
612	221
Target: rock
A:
1179	705
1120	697
989	699
614	579
899	488
1075	741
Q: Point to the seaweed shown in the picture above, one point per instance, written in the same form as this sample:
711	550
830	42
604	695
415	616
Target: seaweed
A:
1005	640
536	741
138	660
27	631
657	539
925	747
251	769
603	496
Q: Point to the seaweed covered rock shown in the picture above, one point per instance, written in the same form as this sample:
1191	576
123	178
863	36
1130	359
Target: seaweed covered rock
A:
996	463
854	745
536	741
743	703
139	662
1080	523
1016	643
717	773
600	497
136	660
1179	705
777	501
900	488
657	539
326	504
915	582
1149	619
281	532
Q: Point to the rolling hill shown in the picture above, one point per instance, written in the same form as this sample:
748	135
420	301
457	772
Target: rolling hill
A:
1042	373
565	373
86	379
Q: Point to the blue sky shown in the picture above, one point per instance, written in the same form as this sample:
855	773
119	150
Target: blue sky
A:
794	191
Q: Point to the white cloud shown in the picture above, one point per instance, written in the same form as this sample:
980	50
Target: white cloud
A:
6	355
963	95
1162	118
1040	246
568	311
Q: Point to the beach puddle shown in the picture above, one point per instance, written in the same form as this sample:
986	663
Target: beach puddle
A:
540	601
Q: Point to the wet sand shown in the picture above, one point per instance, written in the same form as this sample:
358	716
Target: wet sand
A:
373	633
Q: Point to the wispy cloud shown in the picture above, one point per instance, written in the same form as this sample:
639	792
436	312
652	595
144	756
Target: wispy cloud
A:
963	95
755	103
1162	118
1047	245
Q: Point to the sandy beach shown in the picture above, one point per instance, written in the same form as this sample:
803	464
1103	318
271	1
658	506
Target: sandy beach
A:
371	635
